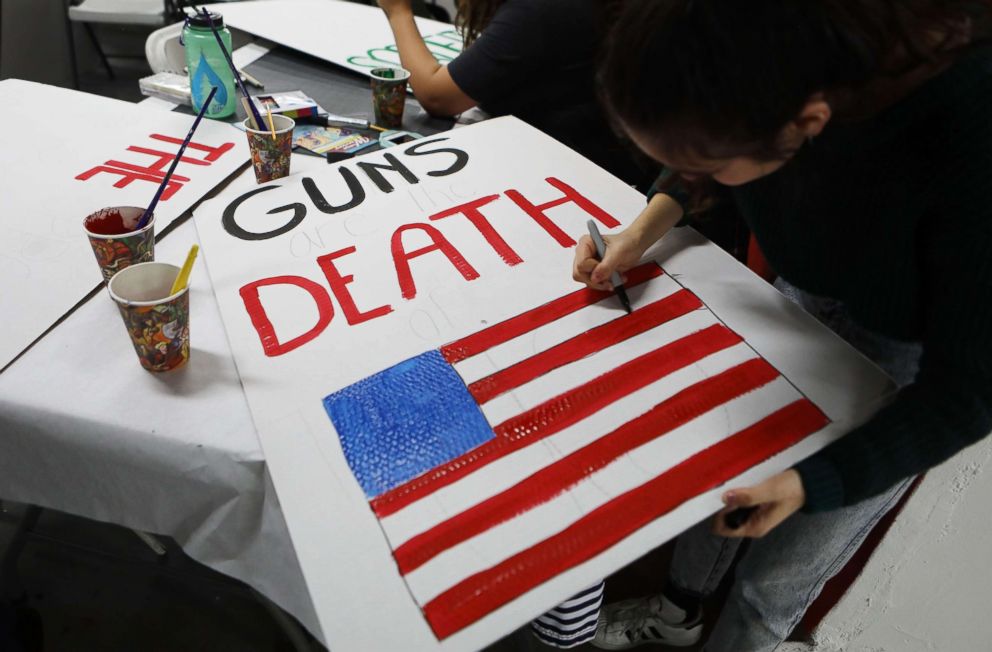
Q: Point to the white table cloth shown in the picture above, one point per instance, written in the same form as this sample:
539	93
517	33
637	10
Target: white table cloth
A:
84	429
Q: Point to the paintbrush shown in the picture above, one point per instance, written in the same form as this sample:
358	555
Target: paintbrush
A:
147	215
234	71
245	103
272	127
251	80
182	278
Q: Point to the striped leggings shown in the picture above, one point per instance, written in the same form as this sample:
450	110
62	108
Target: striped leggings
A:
573	622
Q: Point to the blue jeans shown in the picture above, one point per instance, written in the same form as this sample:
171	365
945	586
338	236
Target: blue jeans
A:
782	573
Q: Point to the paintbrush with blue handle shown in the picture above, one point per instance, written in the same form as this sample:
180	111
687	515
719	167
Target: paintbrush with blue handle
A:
147	215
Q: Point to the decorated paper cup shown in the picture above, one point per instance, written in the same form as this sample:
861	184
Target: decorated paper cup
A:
270	156
116	240
389	96
157	322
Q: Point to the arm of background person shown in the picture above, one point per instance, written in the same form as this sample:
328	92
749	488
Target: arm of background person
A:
432	85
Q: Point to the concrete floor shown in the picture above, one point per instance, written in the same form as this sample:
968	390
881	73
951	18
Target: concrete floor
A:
88	586
93	586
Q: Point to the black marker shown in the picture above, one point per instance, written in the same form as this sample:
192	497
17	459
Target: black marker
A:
597	240
738	517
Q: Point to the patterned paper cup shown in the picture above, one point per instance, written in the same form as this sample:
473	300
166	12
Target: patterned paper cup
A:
270	156
389	96
116	240
157	322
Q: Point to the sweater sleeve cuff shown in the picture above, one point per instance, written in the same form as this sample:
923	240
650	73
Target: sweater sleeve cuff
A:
822	483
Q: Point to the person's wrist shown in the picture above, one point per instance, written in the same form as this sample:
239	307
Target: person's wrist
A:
661	214
798	490
639	238
404	12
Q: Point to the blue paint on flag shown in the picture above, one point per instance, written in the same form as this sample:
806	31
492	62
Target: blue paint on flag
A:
404	421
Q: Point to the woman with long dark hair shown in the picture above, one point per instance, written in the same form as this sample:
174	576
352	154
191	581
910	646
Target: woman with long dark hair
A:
535	59
856	142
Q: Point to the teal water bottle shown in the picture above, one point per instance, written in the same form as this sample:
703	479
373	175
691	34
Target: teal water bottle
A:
207	65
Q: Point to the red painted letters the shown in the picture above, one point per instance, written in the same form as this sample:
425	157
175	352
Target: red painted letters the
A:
213	153
154	172
129	173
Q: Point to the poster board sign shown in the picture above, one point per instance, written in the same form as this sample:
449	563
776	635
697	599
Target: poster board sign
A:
460	436
65	154
348	34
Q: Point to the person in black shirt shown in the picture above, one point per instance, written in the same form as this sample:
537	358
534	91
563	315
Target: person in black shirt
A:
854	138
534	59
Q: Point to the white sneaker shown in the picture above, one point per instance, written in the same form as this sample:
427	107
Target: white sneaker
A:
630	623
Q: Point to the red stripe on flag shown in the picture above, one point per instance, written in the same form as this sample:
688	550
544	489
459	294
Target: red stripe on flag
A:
561	411
557	477
593	340
607	525
524	322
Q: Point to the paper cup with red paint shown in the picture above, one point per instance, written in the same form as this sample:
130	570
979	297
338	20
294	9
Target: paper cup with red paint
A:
156	321
116	239
270	155
389	96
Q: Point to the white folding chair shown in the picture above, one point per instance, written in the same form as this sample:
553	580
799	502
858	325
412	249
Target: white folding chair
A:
147	13
163	51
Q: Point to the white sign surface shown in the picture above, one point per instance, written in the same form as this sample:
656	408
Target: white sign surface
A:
460	436
55	173
345	33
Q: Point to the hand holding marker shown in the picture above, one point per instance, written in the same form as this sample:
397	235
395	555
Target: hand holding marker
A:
615	279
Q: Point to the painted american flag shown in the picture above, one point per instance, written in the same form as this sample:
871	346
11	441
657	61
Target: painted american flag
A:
511	455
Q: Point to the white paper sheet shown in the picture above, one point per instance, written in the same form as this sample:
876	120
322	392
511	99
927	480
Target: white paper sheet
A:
344	551
345	33
52	137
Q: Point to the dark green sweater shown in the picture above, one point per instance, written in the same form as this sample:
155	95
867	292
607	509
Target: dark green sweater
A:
893	216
